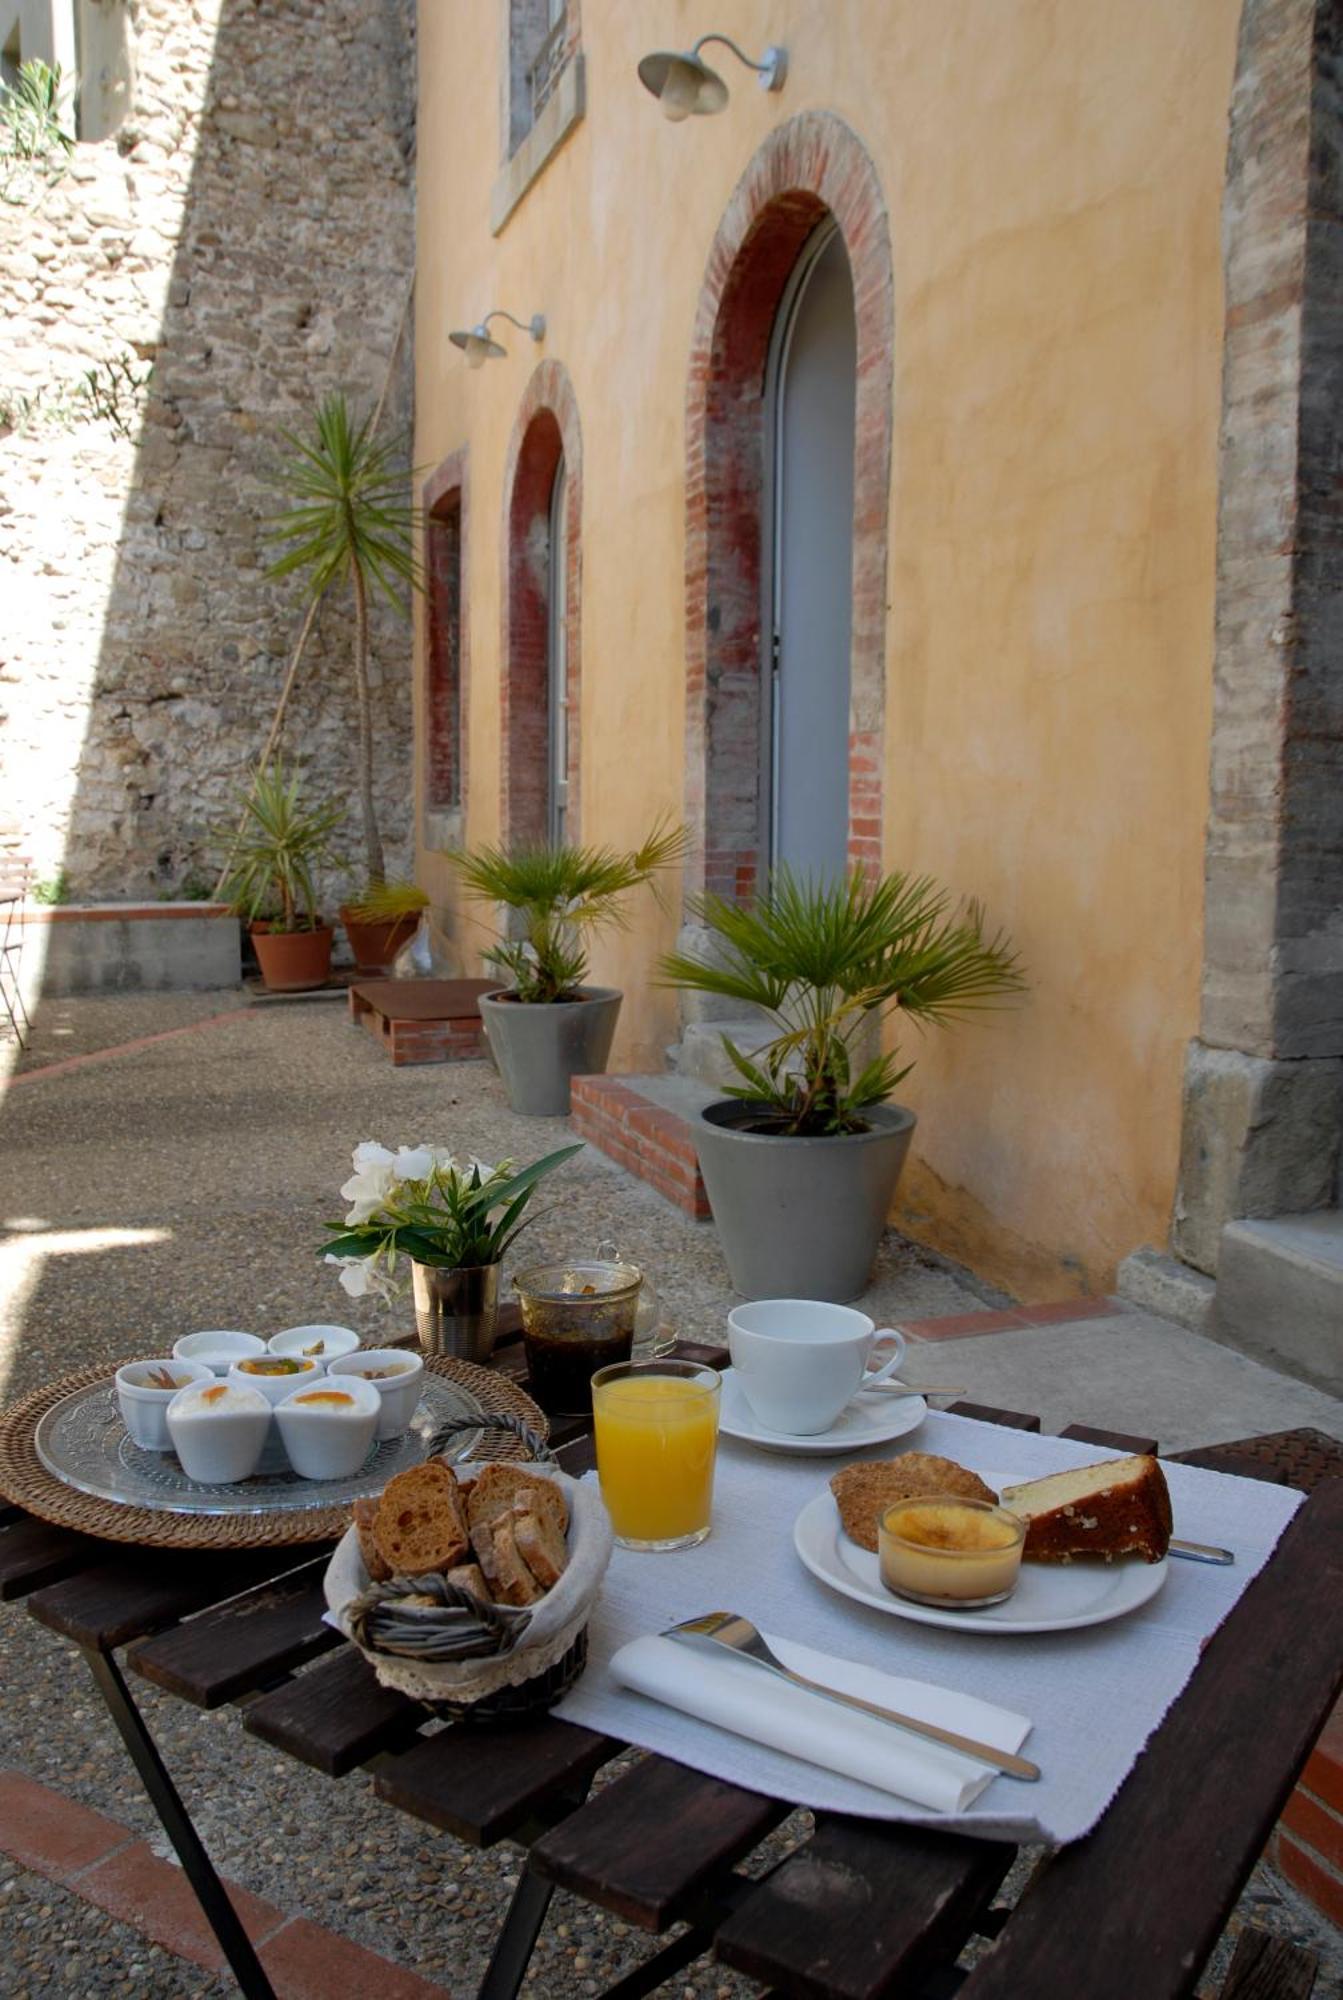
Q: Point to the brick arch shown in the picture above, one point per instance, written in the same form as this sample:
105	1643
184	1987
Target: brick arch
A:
812	167
546	428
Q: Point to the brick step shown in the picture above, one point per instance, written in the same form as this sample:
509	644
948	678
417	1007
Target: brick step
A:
645	1124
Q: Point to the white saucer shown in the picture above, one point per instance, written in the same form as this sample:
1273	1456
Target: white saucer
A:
1049	1598
871	1418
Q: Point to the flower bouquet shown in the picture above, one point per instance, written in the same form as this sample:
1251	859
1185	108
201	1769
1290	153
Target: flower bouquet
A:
444	1222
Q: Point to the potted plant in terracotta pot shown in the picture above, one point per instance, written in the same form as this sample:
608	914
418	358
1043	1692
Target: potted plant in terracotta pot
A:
547	1025
270	879
381	921
801	1159
443	1222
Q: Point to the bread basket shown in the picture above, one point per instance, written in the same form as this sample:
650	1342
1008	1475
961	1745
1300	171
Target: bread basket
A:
478	1662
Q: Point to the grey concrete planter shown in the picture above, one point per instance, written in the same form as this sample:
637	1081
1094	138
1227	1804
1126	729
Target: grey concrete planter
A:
800	1218
537	1048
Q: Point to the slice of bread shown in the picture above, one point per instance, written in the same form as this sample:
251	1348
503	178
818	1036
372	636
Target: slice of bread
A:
365	1513
541	1545
864	1492
419	1524
467	1576
516	1583
482	1542
498	1486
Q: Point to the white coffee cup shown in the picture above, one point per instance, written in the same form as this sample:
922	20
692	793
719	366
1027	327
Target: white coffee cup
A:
799	1361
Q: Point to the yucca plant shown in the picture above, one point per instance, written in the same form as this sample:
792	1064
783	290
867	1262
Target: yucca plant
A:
349	518
32	129
280	843
822	960
562	894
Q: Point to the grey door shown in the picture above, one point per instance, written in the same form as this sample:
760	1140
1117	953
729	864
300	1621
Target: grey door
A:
810	591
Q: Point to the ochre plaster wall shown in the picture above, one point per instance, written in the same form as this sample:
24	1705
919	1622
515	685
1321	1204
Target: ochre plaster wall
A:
1053	177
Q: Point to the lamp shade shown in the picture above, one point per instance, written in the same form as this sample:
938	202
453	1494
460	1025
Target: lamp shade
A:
683	84
477	345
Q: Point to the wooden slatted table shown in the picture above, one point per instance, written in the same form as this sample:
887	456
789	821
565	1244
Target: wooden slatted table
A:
861	1908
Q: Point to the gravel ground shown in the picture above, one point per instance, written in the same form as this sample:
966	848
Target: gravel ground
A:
185	1185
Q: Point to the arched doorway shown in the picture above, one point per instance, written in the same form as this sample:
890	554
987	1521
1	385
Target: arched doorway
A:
811	186
541	627
811	386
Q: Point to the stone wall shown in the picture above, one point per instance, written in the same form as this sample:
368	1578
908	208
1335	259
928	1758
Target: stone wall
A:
244	244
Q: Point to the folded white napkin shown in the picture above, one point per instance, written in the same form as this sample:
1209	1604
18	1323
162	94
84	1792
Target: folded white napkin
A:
745	1699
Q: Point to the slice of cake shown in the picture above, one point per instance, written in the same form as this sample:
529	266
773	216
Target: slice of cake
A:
1118	1508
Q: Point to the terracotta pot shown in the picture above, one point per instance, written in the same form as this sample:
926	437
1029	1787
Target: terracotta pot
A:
293	961
376	945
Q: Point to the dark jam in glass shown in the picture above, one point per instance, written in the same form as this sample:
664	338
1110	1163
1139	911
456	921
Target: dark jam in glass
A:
562	1365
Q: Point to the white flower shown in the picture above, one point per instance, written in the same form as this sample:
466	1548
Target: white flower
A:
362	1276
371	1182
414	1163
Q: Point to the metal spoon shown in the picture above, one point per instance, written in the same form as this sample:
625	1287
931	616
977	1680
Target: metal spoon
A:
911	1389
739	1635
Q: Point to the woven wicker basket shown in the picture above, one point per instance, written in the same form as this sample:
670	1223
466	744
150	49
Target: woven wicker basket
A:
476	1661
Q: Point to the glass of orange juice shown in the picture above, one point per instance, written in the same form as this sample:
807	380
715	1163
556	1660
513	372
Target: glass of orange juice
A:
656	1425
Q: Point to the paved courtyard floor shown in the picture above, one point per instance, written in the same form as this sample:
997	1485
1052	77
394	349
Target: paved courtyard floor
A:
169	1162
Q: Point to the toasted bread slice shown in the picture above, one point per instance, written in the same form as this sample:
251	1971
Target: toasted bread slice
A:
864	1492
516	1584
365	1513
541	1545
498	1486
420	1525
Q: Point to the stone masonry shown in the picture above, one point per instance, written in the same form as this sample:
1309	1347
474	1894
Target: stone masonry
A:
245	241
1264	1083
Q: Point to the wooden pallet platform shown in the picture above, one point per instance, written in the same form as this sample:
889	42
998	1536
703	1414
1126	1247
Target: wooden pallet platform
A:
423	1020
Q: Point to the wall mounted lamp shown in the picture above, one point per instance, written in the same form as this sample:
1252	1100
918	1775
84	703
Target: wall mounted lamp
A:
684	84
479	344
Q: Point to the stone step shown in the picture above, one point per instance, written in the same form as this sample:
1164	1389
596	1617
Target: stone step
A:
1280	1293
644	1123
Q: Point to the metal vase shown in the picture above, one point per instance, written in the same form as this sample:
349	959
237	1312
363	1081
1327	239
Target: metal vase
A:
455	1309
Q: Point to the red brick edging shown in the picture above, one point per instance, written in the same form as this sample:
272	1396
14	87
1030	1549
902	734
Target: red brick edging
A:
101	1861
647	1139
68	1063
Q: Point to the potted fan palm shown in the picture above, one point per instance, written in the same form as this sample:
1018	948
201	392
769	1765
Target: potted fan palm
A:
802	1157
269	879
547	1025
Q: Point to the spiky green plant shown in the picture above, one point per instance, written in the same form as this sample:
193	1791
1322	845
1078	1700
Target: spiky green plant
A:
280	843
385	902
562	894
821	959
32	132
349	517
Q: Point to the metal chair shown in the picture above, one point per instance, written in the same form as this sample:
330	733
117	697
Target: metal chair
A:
15	870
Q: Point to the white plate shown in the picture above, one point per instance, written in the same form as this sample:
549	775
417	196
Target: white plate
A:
871	1418
1049	1598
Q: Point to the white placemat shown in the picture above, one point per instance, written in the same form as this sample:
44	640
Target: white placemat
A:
1094	1696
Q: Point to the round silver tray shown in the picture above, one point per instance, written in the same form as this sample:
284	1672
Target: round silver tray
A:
82	1441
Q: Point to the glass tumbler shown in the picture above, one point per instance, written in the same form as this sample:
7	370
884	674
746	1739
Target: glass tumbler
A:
656	1427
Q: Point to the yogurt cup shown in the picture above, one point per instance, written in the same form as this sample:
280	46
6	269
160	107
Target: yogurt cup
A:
298	1375
329	1425
295	1340
218	1350
218	1430
398	1387
144	1406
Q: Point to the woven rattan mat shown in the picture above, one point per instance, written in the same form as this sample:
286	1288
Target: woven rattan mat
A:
25	1480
